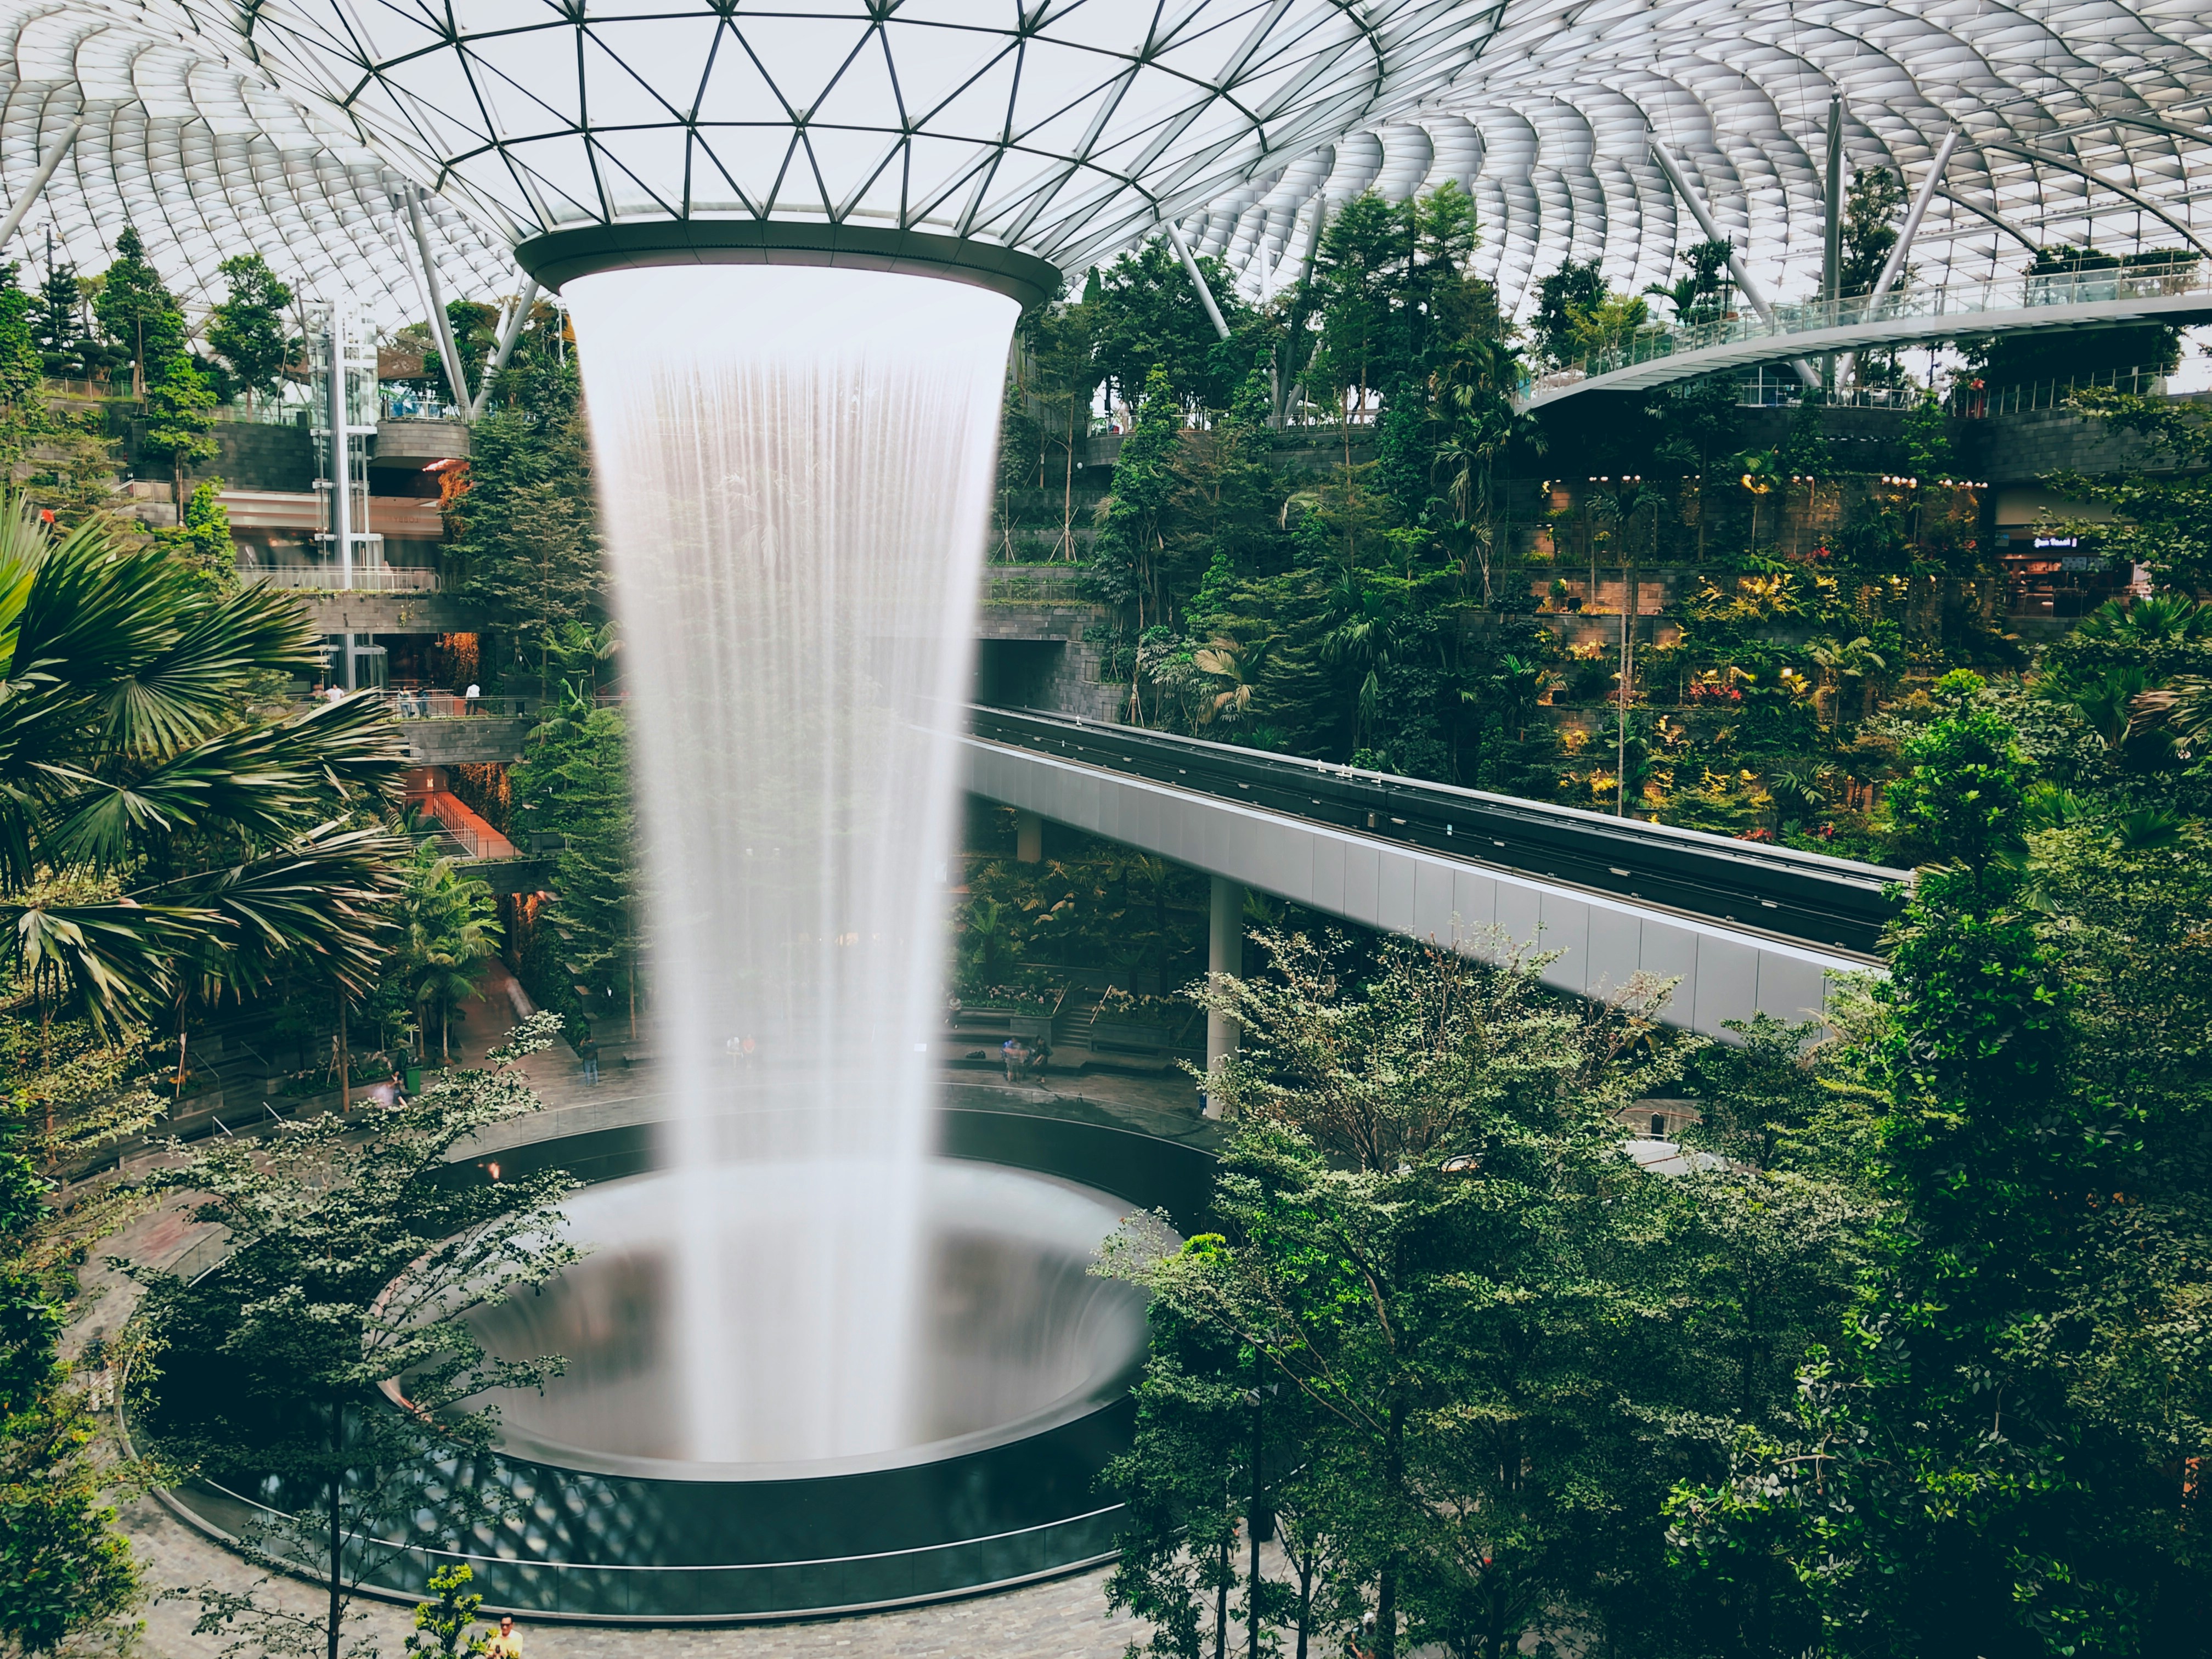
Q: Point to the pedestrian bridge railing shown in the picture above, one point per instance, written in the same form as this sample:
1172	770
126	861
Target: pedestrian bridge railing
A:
2180	287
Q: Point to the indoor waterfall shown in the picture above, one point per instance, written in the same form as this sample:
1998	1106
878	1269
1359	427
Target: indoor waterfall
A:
794	470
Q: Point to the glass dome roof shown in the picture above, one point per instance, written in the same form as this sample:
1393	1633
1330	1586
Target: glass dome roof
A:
188	140
1058	128
2081	121
1064	128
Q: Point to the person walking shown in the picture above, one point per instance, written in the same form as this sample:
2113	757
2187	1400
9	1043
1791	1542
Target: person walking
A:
589	1053
507	1644
469	697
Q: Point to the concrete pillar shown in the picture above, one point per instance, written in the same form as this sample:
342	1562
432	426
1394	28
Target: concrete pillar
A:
1224	954
1029	838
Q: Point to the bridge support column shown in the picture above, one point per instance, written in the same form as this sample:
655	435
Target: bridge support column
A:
1225	955
1029	838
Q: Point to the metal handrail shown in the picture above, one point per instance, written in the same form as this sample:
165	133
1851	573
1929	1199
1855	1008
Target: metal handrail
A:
435	703
361	579
1806	897
1813	316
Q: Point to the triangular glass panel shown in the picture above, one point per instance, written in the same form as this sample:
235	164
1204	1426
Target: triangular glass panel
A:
801	55
863	96
642	169
657	69
529	81
753	158
932	63
735	90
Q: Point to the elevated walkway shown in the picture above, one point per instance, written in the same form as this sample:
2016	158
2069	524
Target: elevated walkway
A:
1743	928
2091	299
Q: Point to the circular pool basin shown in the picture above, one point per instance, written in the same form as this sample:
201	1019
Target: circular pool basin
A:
1013	1397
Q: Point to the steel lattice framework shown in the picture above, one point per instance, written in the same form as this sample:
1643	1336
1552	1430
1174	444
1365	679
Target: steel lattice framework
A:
2081	121
188	140
1063	130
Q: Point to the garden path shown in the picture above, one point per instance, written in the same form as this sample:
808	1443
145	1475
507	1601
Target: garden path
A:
1060	1619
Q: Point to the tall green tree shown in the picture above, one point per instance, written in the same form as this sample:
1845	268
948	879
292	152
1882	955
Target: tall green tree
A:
574	783
450	925
353	1265
247	327
525	531
202	541
136	312
1998	1455
1147	317
1134	521
1430	1238
180	421
67	1578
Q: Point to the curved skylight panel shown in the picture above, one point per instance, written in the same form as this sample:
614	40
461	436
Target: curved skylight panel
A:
184	140
2083	122
1062	127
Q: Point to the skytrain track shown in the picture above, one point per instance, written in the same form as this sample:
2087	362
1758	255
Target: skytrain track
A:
1805	897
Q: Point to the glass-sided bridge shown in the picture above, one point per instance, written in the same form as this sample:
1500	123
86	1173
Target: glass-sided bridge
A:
2178	292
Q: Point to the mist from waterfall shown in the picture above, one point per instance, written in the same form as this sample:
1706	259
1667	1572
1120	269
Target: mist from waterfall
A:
794	471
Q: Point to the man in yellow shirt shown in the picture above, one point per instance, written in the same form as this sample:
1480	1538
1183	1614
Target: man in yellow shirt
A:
507	1644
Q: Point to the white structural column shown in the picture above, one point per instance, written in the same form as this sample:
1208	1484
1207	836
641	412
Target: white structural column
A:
1894	266
436	295
1752	291
508	335
47	163
1225	955
339	415
1198	280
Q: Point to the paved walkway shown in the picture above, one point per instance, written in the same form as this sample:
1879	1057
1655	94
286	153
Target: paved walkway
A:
1060	1619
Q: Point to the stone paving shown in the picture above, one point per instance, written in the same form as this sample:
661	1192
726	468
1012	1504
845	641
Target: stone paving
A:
1059	1618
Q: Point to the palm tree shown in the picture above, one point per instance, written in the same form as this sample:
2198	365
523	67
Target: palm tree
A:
160	836
2123	703
1854	660
2154	619
1759	477
1238	662
453	927
1475	400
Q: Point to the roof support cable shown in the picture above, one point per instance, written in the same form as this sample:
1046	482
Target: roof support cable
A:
1757	296
508	333
47	163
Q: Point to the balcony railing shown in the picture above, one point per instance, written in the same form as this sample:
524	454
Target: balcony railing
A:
2057	290
364	579
430	703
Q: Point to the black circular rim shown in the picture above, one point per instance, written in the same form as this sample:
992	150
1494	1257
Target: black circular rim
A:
641	1550
559	256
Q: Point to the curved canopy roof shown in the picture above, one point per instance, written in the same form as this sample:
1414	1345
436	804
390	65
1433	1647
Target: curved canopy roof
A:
2081	121
1058	128
1066	128
186	139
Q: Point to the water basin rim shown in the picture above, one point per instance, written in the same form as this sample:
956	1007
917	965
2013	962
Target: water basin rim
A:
559	256
1100	1392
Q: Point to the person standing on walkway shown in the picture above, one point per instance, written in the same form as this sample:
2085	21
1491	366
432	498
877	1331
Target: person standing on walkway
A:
469	697
589	1053
507	1644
